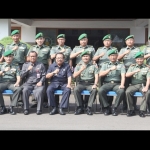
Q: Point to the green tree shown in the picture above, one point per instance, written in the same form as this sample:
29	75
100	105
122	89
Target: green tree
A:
8	40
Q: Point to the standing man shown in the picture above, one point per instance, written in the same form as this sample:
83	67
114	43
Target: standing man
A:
88	80
140	81
101	56
61	48
20	49
9	79
75	54
114	73
43	52
146	52
60	76
2	50
127	56
33	73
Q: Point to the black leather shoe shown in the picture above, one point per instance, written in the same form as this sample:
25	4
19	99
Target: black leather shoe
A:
61	112
79	111
89	112
11	110
141	114
3	110
26	112
54	111
114	112
130	113
107	111
39	112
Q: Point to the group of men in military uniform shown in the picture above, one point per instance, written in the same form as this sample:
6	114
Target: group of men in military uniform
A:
106	64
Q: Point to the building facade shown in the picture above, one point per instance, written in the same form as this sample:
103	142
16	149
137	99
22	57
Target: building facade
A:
96	29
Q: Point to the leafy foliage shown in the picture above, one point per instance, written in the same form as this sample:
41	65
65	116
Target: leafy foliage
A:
8	40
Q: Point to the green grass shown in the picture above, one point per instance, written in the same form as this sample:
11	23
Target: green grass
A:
8	40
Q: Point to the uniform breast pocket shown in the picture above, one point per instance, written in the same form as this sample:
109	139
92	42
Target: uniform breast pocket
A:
91	72
144	72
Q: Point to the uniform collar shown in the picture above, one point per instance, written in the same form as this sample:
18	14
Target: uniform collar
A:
116	63
83	47
42	46
59	47
5	64
140	65
130	48
13	43
108	47
82	63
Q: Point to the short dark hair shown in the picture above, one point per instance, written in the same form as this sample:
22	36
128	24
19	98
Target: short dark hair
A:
33	52
60	54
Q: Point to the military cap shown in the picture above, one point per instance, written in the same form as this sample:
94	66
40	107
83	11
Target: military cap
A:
84	35
139	54
14	32
86	52
8	52
39	35
61	36
129	37
112	51
107	37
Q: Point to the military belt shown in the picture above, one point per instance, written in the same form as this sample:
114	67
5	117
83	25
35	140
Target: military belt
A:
112	82
91	82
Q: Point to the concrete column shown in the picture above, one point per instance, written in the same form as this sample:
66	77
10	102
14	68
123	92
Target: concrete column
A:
5	28
148	27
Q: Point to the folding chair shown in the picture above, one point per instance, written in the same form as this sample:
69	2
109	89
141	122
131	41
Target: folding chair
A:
136	94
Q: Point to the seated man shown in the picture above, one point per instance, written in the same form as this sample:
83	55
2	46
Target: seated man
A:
33	74
114	73
88	80
60	76
9	80
140	81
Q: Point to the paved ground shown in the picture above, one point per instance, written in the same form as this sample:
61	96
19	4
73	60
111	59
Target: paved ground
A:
70	121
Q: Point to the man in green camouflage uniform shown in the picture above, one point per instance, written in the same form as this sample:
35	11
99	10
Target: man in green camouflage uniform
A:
140	81
88	80
20	49
101	56
114	72
2	50
9	80
127	56
146	52
61	48
43	52
77	50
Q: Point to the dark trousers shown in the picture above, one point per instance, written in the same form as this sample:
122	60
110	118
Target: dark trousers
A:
65	97
14	97
127	83
130	98
110	87
77	94
37	92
